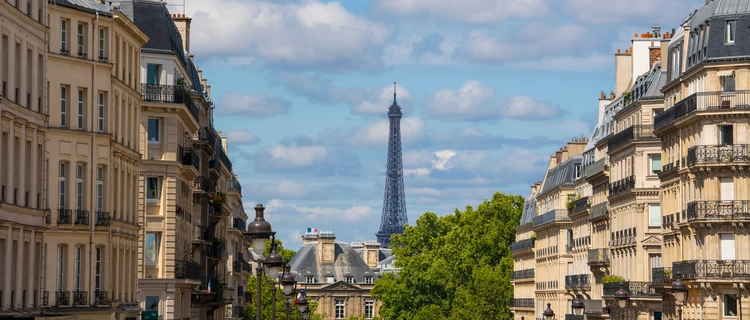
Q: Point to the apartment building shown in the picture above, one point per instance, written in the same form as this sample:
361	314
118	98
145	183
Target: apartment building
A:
524	264
92	160
705	186
241	269
23	135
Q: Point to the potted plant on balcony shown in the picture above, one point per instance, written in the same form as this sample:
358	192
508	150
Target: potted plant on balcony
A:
612	278
667	276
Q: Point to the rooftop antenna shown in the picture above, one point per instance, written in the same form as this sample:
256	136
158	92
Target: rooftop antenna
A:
394	92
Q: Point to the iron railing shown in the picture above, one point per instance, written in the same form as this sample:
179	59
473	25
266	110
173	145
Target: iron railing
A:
718	210
203	184
715	154
202	233
522	274
100	298
62	298
522	245
597	167
599	256
550	217
661	275
239	224
578	281
102	218
522	303
190	157
634	289
580	204
573	317
224	158
45	298
163	93
234	186
82	217
598	210
636	132
208	136
64	216
713	100
622	185
184	269
80	298
728	269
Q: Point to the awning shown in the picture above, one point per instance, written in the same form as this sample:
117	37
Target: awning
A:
726	73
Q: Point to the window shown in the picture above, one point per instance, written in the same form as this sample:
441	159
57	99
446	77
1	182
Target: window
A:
578	171
726	136
349	279
655	160
100	113
154	130
726	244
61	180
63	107
730	306
340	308
152	303
309	279
153	189
79	187
81	40
81	96
730	28
727	84
153	74
368	280
77	266
60	277
100	189
98	269
654	214
152	247
369	309
726	189
64	37
102	44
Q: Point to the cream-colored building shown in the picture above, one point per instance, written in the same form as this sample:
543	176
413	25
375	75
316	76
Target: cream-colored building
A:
92	160
23	134
240	268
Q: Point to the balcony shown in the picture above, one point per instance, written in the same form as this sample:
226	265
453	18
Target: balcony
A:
634	289
574	317
45	298
190	158
578	281
715	154
100	298
593	306
163	93
239	224
661	275
183	214
622	185
716	269
203	184
208	136
202	233
704	101
707	211
234	186
597	167
680	109
80	298
598	211
550	217
62	298
224	158
522	274
248	297
580	205
102	218
184	269
636	132
64	216
522	245
522	303
82	217
599	257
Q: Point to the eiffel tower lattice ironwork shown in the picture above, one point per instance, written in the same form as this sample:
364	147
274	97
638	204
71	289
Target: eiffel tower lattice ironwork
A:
394	218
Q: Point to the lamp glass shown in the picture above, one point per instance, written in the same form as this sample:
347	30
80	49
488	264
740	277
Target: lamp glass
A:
288	289
259	245
273	272
303	308
549	317
578	311
679	297
622	303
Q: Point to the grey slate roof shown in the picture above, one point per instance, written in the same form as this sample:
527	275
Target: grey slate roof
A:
562	174
648	85
86	5
529	209
346	261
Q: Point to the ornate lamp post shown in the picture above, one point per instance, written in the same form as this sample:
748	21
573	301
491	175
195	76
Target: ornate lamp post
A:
577	305
259	231
548	313
302	305
290	287
680	293
622	297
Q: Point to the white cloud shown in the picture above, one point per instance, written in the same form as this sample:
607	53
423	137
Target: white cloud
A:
350	214
471	11
308	34
530	43
475	101
236	103
241	137
594	61
418	172
633	11
296	156
412	130
313	159
443	160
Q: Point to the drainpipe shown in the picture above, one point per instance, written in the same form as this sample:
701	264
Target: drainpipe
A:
92	162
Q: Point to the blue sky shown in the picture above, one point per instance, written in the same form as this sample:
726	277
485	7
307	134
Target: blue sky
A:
489	89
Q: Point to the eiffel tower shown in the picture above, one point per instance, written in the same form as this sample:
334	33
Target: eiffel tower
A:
394	218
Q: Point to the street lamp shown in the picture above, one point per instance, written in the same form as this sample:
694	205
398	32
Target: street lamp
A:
577	305
549	314
622	296
680	292
290	287
302	304
259	231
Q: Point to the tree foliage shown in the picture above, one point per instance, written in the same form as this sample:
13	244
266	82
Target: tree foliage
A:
266	302
285	253
454	267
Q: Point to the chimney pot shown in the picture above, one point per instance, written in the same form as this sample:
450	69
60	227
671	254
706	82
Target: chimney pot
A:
618	51
635	35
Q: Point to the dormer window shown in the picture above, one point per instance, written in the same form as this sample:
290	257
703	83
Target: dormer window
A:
349	279
368	280
329	279
309	279
730	31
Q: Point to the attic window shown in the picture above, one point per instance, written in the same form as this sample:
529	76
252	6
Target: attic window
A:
309	279
730	29
329	278
368	280
349	279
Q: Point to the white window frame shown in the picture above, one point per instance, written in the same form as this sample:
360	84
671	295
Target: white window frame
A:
63	106
157	135
60	276
730	27
652	171
350	280
81	108
309	279
724	310
654	220
156	248
79	186
98	269
99	189
157	193
77	268
102	43
340	303
100	112
369	309
64	36
369	280
722	137
81	39
62	184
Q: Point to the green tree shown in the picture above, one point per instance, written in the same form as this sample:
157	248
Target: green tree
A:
454	267
285	253
266	299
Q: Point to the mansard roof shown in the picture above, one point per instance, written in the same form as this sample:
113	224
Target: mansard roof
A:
346	261
563	174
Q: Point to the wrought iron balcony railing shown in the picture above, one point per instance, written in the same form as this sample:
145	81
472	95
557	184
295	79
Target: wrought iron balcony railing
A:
578	281
622	185
224	158
522	274
523	245
80	298
62	298
634	289
234	186
100	298
661	275
598	211
163	93
82	217
203	184
573	317
64	216
715	154
102	218
597	167
718	210
239	224
714	100
727	269
208	136
184	269
202	233
636	132
238	312
550	217
45	298
598	256
190	158
580	205
522	303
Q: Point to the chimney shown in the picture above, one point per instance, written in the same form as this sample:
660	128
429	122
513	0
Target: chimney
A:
326	247
372	250
533	187
623	71
602	96
654	54
183	26
309	238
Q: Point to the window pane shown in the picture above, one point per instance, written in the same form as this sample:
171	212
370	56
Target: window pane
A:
730	306
153	129
152	247
655	163
152	303
152	185
654	214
